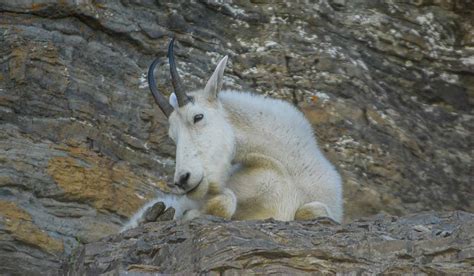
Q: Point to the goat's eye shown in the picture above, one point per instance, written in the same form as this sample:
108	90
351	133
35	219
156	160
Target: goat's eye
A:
198	118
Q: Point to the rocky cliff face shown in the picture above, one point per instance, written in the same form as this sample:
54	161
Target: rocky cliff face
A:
388	86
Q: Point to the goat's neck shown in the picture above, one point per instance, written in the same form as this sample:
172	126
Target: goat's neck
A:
254	140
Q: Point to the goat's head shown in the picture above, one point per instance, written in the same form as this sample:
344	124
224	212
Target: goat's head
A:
198	125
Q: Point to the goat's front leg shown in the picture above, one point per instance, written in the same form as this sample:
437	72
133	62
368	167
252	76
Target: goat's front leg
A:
221	205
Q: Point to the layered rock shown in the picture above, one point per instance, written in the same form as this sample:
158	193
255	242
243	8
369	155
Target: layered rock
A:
425	243
388	87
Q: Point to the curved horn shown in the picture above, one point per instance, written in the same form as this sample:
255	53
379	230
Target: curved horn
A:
159	98
175	79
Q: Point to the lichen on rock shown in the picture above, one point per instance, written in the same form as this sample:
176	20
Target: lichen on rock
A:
20	225
107	185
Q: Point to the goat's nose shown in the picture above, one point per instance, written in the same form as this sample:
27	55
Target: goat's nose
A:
183	180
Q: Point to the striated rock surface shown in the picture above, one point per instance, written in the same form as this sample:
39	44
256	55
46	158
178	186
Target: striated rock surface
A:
428	243
388	86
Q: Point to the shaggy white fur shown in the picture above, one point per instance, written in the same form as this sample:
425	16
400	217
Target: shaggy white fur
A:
249	157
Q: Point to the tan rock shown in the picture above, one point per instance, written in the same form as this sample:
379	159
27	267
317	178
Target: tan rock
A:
22	228
108	186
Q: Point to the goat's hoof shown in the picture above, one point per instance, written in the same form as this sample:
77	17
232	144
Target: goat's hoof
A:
152	213
158	212
168	214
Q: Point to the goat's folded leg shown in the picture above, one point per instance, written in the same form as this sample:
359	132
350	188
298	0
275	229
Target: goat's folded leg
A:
222	205
191	214
313	210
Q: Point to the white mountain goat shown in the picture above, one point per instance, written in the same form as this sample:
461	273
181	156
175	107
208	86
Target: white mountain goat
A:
244	156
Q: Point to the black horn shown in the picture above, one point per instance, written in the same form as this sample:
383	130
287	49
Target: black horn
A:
159	98
183	99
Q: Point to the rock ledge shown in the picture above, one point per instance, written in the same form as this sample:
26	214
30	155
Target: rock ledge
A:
428	242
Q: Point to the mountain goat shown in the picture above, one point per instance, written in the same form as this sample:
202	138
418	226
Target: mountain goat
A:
244	156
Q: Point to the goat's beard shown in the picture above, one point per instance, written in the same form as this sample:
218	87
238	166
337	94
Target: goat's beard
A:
200	191
212	184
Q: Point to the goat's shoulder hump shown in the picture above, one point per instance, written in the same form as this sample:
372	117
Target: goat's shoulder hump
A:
249	99
281	111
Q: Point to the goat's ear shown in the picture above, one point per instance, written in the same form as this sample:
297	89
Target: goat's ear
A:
214	84
173	101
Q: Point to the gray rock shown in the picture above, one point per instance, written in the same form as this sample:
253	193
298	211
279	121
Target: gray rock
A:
380	244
